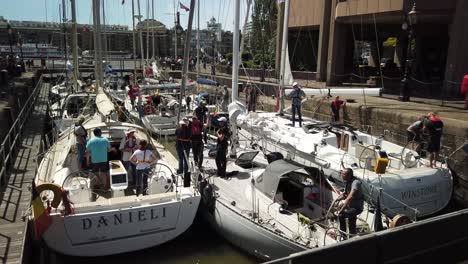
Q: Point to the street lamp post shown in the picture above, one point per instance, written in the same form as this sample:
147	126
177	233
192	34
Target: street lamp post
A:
405	82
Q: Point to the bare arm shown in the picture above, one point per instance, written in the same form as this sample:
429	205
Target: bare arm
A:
346	202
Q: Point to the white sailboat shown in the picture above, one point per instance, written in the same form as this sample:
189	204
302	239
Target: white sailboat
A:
394	174
86	221
117	221
270	209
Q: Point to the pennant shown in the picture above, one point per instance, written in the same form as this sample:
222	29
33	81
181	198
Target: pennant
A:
123	2
184	7
42	220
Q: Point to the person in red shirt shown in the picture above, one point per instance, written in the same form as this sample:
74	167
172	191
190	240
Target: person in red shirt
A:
133	93
149	109
335	109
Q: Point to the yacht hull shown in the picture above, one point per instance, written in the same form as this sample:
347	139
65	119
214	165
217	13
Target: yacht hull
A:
122	229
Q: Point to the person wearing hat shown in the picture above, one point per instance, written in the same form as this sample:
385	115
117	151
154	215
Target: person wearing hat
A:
96	157
81	137
223	135
183	134
203	115
128	145
296	96
196	128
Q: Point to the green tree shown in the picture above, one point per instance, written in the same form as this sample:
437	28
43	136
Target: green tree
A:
264	18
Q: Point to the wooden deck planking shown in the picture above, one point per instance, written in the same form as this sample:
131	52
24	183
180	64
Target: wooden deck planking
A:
15	197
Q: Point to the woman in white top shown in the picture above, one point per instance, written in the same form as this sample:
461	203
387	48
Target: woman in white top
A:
143	158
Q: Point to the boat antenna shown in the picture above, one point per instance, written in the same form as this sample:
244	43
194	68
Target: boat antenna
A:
75	47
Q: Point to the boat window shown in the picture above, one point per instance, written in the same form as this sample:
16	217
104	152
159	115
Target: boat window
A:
291	192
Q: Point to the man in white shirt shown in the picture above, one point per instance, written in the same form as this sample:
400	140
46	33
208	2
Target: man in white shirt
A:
128	145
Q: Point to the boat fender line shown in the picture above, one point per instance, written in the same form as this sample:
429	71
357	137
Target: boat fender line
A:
399	220
53	187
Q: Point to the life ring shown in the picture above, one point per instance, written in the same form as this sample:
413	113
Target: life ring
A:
399	220
55	188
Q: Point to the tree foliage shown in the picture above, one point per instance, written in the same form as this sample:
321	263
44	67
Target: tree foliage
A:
264	18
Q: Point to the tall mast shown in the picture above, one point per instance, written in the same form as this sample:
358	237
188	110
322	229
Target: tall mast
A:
147	31
198	39
104	29
175	31
142	61
74	47
97	43
235	74
186	56
284	46
152	29
64	21
134	44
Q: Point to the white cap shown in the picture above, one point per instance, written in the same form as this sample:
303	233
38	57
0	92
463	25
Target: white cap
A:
182	122
222	119
295	84
129	130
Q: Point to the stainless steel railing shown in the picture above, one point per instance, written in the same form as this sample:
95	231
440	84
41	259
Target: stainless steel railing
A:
12	139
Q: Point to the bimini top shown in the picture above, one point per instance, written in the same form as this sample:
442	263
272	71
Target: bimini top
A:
268	181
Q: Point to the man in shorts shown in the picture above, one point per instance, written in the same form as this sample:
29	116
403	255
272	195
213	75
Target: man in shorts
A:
97	149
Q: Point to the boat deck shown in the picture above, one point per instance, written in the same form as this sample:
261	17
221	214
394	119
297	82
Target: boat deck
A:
16	195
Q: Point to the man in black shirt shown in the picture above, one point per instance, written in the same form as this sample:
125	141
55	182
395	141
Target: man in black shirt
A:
202	113
183	135
222	147
433	125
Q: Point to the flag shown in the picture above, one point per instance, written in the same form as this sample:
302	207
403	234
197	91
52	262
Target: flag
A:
184	7
41	217
123	2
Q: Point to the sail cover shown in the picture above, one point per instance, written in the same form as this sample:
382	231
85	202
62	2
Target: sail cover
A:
268	181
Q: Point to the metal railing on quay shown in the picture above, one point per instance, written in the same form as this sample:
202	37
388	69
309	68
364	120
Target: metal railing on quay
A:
11	141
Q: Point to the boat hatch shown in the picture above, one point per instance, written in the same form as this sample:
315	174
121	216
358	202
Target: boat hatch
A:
245	159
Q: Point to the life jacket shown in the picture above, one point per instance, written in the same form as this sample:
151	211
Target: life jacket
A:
128	140
437	124
196	128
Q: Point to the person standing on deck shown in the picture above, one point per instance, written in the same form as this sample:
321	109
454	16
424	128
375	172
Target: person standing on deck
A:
223	135
335	109
203	115
225	102
197	140
143	158
133	93
97	158
128	145
183	135
296	96
353	201
81	137
434	126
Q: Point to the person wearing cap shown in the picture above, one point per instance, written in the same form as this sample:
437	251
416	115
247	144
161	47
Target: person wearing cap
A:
223	135
296	96
196	128
183	134
81	137
128	145
98	147
203	114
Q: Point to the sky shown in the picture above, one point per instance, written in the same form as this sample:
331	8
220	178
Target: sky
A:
116	13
